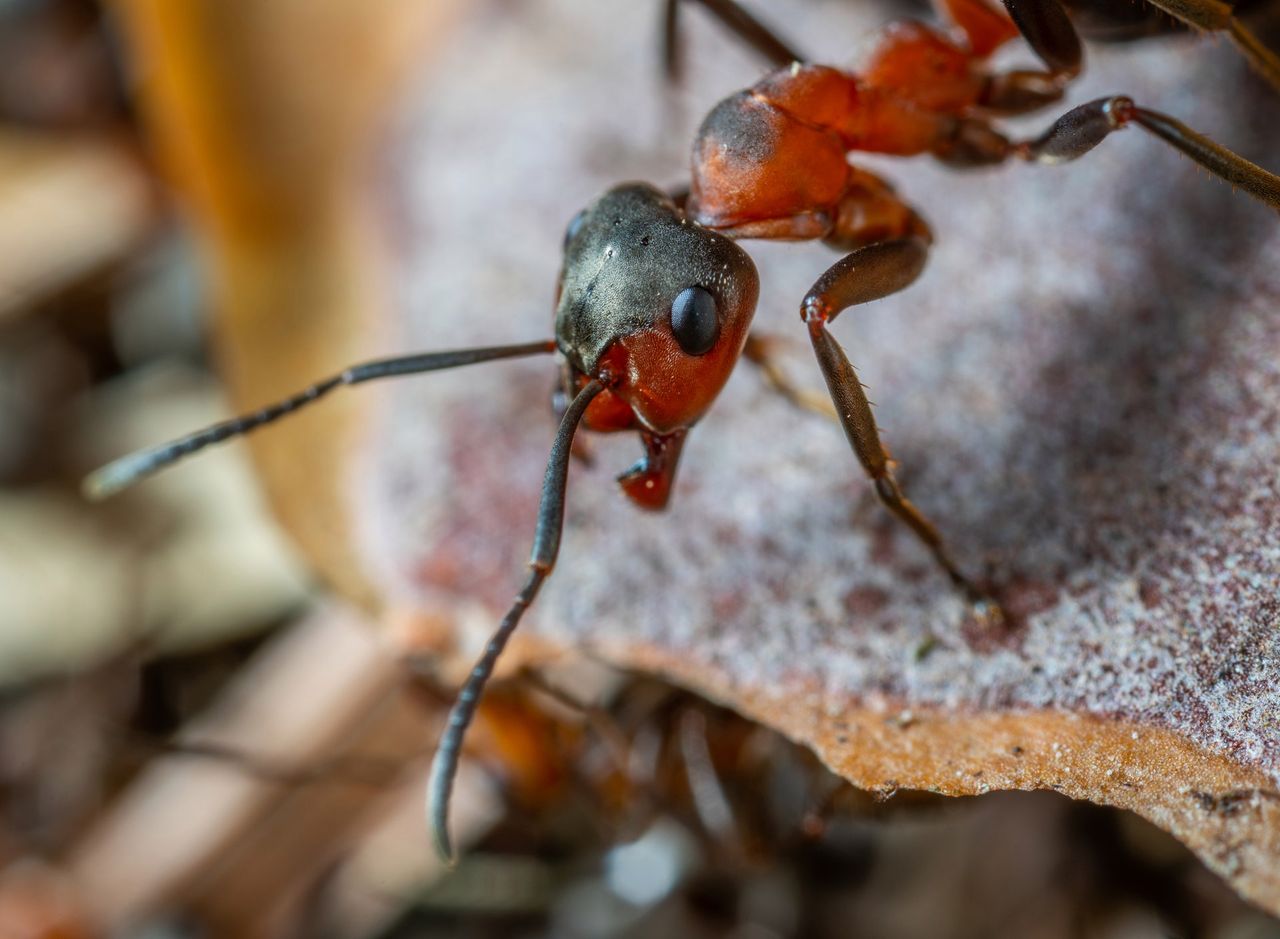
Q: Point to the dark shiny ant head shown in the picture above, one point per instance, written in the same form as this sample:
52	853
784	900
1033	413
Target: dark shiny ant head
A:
658	301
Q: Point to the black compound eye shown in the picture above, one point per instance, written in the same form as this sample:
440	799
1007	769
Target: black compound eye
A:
694	320
575	226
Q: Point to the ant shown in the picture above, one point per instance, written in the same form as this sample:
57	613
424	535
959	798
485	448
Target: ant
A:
656	297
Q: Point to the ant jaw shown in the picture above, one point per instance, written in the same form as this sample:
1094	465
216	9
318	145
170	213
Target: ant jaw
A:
648	483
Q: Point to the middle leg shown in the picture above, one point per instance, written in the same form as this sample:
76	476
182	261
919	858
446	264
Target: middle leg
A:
867	274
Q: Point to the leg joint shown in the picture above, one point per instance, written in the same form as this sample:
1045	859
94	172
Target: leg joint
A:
815	311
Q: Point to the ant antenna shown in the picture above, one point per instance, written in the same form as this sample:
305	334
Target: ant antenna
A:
124	472
546	544
127	470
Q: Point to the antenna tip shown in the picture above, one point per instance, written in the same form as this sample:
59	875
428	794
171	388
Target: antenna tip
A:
444	849
437	805
440	837
106	481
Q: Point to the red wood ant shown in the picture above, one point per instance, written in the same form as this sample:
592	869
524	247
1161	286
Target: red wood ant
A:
656	298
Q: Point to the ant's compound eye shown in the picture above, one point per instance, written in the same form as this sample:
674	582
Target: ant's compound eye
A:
575	226
694	320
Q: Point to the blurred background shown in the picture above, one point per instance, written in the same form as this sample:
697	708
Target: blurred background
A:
196	738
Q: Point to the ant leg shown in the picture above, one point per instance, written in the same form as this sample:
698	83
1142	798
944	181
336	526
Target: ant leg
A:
758	351
739	21
974	142
1052	36
1020	90
1045	26
1217	16
868	274
1047	29
1083	128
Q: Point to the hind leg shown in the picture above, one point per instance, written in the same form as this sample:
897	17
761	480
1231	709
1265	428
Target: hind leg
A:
739	21
1083	128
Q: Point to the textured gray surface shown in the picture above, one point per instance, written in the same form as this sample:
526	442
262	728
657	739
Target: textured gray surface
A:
1083	390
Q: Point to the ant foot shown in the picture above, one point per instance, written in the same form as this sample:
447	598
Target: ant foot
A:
989	612
986	608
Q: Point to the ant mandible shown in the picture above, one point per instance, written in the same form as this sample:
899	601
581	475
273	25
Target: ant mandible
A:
656	298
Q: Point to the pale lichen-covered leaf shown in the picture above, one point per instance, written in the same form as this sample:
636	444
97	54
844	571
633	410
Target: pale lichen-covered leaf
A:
1083	390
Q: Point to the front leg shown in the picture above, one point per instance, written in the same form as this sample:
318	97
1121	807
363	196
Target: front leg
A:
867	274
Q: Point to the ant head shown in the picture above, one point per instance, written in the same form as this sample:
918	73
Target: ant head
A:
656	299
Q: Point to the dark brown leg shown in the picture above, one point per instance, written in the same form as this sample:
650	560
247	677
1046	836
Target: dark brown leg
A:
1048	31
975	142
867	274
1020	91
738	20
1045	26
1217	16
1083	128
